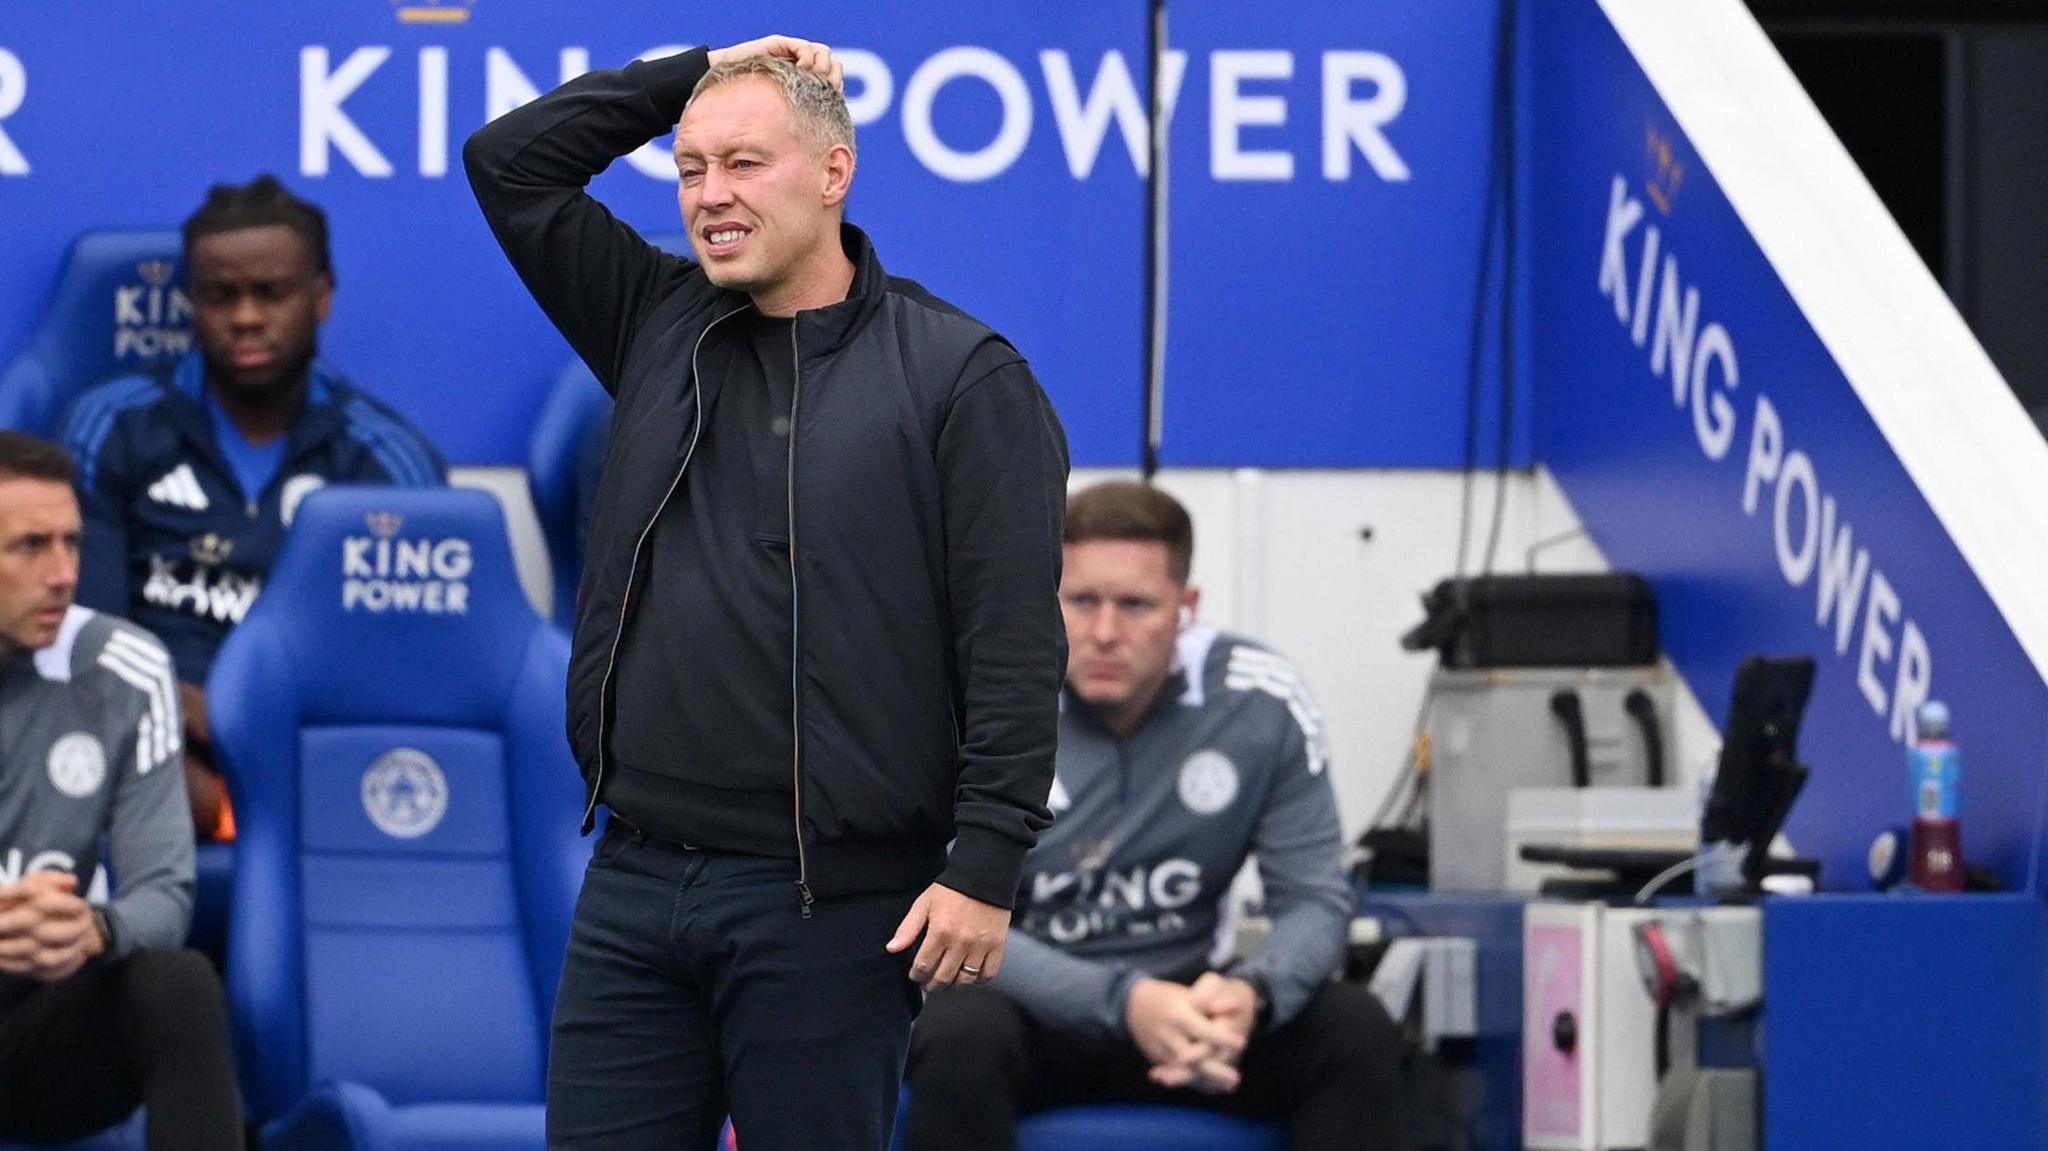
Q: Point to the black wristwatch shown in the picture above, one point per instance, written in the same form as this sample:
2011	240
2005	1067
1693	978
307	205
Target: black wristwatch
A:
105	927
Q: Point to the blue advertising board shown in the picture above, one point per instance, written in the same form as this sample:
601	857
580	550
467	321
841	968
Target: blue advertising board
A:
1328	176
1709	440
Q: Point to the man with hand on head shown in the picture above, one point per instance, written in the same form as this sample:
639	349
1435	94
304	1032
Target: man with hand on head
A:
817	636
1182	751
99	1010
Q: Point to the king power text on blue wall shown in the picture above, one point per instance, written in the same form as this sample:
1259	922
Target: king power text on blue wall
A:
1327	174
1811	535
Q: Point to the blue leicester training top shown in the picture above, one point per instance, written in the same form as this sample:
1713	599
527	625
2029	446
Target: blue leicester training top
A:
172	541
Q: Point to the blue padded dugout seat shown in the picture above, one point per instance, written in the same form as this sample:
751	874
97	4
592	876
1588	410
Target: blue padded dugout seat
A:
560	472
1144	1128
389	720
119	307
572	425
1130	1128
213	890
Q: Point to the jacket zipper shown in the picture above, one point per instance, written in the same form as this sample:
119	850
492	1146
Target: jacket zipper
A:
604	686
796	725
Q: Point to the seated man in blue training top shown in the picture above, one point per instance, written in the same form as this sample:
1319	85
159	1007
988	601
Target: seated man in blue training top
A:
99	1010
189	480
1182	751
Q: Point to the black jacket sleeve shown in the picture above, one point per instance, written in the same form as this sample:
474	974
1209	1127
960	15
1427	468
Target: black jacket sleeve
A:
1003	477
591	273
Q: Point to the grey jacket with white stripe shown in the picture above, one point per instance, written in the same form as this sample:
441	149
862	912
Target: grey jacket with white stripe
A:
1148	834
91	758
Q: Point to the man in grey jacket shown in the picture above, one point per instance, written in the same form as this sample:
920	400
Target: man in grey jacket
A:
1182	751
99	1010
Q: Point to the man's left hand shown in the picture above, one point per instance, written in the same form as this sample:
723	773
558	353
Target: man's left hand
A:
1233	1002
46	931
963	938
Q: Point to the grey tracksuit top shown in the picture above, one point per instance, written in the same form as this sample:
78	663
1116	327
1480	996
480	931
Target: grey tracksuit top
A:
1149	832
91	756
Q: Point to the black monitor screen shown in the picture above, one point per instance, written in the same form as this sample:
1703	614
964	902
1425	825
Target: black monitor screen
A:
1759	772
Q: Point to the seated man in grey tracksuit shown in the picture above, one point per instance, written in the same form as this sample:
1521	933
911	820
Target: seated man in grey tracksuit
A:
100	1010
1182	751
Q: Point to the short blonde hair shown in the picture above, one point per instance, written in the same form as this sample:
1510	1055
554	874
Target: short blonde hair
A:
820	110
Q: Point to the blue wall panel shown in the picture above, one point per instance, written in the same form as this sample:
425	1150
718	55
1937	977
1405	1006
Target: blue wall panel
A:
1319	321
1905	1022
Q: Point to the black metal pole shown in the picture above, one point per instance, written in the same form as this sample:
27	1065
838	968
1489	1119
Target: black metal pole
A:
1155	243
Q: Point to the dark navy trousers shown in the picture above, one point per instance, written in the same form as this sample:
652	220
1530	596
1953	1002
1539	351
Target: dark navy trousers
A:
695	988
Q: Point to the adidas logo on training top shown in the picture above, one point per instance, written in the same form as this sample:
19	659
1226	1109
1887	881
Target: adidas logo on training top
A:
179	488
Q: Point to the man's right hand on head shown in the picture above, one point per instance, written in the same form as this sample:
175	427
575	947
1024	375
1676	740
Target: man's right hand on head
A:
1187	1048
809	55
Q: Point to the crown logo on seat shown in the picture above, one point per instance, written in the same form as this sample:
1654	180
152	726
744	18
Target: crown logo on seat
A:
433	11
155	273
384	525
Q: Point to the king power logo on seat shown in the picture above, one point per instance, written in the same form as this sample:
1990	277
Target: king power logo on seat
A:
384	571
152	318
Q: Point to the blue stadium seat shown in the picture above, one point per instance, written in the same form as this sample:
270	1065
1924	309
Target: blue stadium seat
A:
213	892
576	411
1130	1128
1144	1128
556	473
389	721
119	307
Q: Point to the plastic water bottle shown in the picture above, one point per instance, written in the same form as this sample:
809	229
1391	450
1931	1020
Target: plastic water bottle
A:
1935	768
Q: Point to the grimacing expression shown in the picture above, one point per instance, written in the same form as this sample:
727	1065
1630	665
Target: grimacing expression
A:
757	198
1122	607
40	533
258	300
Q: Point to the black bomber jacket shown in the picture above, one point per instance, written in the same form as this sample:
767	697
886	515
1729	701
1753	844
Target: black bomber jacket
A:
926	502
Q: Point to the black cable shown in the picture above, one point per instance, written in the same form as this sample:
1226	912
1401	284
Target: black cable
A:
1475	349
1155	47
1499	189
1663	1041
1643	710
1482	281
1566	706
1408	775
1504	143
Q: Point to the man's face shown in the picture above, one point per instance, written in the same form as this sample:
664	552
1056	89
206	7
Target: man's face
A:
1123	610
39	537
258	300
757	198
